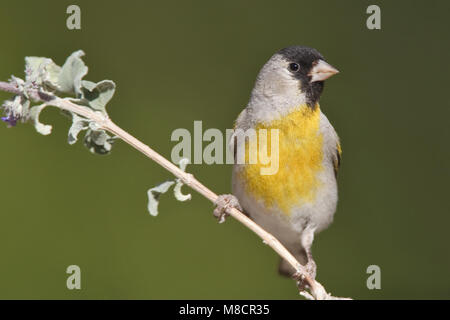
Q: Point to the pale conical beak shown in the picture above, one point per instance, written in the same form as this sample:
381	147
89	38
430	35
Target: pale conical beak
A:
322	71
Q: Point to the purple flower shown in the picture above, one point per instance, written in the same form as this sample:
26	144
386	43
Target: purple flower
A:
10	120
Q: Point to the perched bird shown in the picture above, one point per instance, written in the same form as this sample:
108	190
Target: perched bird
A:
300	199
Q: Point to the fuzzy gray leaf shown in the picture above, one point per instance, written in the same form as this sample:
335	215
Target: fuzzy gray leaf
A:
177	189
98	141
42	71
98	94
34	113
78	124
72	72
154	194
178	194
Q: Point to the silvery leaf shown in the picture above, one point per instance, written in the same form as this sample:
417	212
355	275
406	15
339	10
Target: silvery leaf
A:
177	189
154	194
78	124
98	94
41	71
34	113
177	192
72	72
98	141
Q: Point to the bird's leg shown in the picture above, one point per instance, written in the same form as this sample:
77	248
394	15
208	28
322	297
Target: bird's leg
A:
307	239
223	203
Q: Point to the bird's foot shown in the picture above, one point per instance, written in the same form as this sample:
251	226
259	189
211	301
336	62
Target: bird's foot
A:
223	203
310	268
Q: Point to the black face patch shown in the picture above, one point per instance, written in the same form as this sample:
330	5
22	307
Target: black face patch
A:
306	58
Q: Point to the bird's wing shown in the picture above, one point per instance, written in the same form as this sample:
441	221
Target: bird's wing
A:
337	158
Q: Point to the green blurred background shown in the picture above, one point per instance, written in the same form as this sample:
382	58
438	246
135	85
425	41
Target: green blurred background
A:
176	62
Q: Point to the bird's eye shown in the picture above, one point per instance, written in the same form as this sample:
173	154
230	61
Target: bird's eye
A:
294	67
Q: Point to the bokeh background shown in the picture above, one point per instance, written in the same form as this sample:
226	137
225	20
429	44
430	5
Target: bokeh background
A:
176	62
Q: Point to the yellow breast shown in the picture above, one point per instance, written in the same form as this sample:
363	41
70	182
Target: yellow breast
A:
300	160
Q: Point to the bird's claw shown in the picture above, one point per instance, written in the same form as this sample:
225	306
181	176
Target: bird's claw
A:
311	268
223	203
298	276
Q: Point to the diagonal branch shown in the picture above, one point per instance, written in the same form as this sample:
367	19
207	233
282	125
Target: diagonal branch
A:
317	291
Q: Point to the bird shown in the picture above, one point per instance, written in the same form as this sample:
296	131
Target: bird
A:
300	199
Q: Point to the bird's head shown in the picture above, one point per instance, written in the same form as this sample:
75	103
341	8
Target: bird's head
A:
294	75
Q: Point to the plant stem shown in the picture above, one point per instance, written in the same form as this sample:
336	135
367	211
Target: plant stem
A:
317	290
